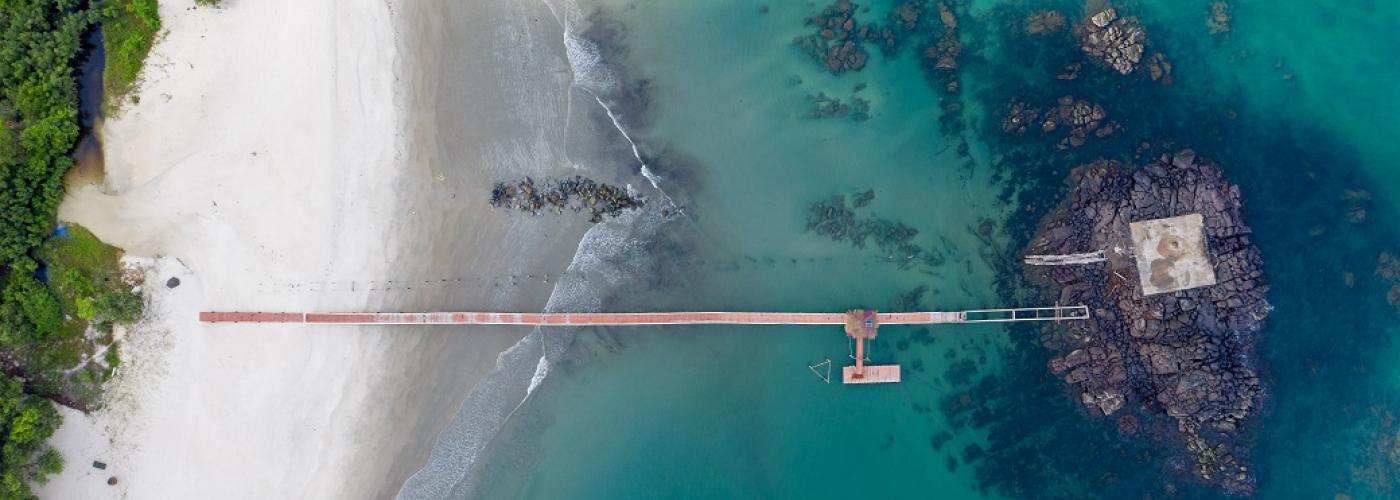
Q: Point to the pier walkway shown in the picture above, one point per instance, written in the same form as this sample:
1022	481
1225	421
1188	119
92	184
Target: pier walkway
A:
861	326
639	319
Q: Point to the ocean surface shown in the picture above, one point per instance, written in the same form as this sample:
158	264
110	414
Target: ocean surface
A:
707	108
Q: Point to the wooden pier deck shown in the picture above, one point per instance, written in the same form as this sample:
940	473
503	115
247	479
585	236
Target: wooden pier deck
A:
638	319
873	374
860	325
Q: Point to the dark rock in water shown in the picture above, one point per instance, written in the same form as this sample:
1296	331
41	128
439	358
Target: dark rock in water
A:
1076	118
1044	22
906	15
1388	268
864	199
172	282
1159	68
1357	202
943	51
1219	20
577	194
1113	40
830	107
836	43
973	452
833	219
1187	354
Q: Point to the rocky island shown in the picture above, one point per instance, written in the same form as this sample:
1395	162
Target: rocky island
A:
1160	342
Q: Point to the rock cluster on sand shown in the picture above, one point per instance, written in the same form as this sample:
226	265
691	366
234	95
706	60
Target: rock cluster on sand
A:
837	43
941	56
1187	354
833	219
576	193
1112	40
906	15
823	106
1077	117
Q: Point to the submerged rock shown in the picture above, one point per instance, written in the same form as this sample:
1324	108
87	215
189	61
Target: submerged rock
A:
834	220
1044	22
1219	20
577	194
1357	202
1160	69
857	109
1076	118
945	48
837	41
1388	268
1188	354
1113	40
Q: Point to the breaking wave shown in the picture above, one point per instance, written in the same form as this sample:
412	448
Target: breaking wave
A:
593	273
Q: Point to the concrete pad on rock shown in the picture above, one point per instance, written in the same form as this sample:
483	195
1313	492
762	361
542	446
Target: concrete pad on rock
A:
1171	254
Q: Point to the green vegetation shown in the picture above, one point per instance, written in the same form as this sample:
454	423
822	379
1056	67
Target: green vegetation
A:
92	296
207	3
26	422
59	296
129	28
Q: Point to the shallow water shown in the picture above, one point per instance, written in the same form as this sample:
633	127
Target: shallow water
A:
1295	120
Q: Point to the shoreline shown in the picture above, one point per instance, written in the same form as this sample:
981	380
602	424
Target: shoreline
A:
229	201
385	179
475	118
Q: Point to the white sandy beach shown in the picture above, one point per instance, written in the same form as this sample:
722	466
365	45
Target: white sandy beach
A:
291	156
262	154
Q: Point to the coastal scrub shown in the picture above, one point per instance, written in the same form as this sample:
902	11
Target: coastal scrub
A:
129	28
59	290
26	423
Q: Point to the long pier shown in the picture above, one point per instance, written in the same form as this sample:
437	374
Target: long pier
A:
860	325
1057	313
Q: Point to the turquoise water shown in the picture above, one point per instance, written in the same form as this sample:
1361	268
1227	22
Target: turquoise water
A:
1296	102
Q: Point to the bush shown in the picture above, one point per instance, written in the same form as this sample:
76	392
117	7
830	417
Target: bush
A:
40	41
26	422
129	29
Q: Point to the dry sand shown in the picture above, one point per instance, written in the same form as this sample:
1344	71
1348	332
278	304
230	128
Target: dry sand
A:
287	156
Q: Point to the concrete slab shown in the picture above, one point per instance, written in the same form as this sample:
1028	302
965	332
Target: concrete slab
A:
874	374
1171	254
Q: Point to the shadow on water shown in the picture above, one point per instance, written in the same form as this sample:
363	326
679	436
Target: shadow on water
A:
88	162
1322	349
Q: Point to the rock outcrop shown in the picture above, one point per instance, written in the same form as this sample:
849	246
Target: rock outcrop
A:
941	55
839	222
1113	40
837	42
824	106
576	194
1186	354
1076	118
